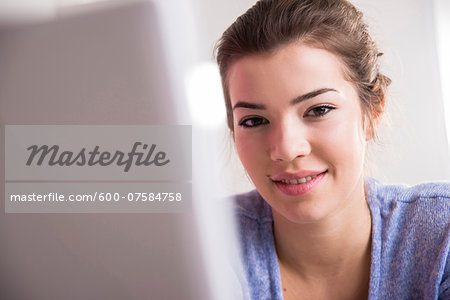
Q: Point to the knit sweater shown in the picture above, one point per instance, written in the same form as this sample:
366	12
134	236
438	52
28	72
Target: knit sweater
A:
410	242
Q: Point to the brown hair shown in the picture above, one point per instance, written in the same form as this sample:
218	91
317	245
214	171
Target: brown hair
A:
333	25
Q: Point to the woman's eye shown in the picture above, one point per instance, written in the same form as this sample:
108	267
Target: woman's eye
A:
253	122
319	111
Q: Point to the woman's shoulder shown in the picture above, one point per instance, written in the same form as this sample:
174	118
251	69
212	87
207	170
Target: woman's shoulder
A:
425	205
252	206
388	194
405	214
410	238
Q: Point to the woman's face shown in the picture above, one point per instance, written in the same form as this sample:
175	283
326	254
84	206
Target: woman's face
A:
298	128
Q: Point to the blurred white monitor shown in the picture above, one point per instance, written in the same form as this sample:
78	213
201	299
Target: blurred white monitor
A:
106	65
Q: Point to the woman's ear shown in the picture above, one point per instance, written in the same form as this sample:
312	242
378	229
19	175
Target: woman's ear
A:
373	118
379	111
369	128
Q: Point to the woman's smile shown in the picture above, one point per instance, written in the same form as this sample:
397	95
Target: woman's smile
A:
293	185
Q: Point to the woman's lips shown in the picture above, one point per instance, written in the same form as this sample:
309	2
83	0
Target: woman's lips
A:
295	175
296	185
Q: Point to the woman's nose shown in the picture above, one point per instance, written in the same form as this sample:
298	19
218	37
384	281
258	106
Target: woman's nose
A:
288	141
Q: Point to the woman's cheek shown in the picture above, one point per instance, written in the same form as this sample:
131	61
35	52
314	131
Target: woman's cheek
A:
249	149
346	143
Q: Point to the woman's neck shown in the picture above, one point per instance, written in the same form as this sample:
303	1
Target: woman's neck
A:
337	247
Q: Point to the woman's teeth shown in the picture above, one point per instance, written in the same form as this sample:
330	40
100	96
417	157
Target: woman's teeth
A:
298	181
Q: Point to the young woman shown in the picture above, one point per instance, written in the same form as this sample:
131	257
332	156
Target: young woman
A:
304	95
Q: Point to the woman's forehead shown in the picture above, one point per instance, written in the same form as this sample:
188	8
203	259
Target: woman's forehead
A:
296	66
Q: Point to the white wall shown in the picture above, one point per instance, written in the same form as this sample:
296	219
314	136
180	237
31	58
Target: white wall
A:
415	146
442	22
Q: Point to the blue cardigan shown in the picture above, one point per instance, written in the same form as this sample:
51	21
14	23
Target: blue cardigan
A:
410	242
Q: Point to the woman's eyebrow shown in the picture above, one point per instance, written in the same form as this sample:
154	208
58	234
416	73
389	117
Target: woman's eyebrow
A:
310	95
298	99
249	105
